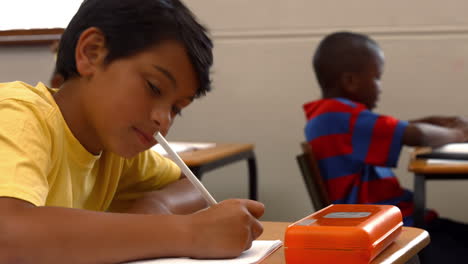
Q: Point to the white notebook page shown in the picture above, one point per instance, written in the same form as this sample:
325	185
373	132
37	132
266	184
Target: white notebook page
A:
259	250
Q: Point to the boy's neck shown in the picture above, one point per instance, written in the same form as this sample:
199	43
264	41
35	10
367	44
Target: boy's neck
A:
335	93
68	99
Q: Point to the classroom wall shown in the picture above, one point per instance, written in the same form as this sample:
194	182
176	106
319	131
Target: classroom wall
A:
262	76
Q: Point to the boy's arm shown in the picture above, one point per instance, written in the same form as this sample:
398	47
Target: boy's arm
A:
179	197
444	121
435	133
33	234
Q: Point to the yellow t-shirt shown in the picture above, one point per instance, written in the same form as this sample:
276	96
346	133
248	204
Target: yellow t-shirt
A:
43	163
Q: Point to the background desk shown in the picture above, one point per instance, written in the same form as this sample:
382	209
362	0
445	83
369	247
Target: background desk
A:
204	160
424	171
403	250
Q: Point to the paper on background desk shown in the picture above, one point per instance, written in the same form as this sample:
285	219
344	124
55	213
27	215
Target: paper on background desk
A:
454	151
183	146
446	161
461	148
260	250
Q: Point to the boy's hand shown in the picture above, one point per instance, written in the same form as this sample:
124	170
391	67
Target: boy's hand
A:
226	229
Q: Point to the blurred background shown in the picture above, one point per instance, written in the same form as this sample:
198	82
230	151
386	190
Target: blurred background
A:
262	76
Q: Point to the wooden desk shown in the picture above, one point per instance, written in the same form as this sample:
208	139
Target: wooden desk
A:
403	250
204	160
424	171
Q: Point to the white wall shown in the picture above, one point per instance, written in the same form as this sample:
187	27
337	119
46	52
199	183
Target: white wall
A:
262	76
28	64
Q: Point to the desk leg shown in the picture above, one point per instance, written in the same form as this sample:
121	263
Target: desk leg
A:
252	164
419	199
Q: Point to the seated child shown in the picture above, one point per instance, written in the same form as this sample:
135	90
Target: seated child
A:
356	147
78	181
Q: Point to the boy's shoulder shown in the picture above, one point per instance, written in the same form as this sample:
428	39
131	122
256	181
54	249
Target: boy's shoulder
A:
38	96
336	104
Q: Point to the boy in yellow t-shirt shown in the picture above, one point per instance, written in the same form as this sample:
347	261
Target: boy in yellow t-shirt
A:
78	183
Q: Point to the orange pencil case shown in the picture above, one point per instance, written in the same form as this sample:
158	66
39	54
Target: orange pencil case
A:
342	233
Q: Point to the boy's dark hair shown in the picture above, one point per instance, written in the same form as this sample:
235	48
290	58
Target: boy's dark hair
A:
341	52
132	26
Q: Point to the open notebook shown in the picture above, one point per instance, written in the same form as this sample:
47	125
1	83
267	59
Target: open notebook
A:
260	250
454	151
183	146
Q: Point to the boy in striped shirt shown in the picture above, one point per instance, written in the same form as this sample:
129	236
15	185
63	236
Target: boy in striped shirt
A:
356	147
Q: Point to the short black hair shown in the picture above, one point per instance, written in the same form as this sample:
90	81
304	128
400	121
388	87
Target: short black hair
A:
341	52
132	26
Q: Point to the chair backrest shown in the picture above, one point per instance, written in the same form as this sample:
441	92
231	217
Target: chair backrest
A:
312	178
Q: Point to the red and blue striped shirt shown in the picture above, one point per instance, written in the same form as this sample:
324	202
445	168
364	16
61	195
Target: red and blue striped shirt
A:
356	149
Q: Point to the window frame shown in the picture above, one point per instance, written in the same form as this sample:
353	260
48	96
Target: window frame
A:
45	36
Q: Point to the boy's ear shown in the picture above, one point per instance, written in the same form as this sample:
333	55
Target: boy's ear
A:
90	51
349	82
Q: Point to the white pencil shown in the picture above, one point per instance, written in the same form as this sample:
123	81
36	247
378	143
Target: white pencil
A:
188	173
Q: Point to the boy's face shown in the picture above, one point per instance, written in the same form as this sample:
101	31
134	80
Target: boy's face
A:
367	83
130	99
